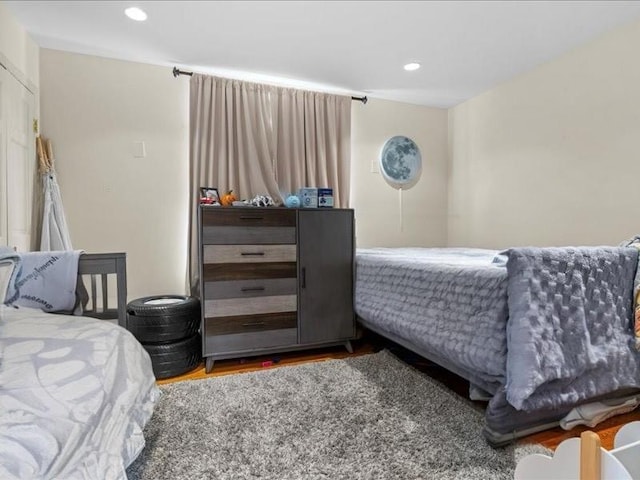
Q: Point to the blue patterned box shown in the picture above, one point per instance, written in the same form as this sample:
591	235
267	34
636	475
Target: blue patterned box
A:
308	197
325	197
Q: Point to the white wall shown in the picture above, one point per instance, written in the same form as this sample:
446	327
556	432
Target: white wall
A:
553	156
549	158
17	49
94	109
376	204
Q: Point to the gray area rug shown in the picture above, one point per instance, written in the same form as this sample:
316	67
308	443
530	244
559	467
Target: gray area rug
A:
366	417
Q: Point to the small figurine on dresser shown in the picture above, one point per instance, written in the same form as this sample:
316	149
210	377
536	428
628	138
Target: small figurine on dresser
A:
262	201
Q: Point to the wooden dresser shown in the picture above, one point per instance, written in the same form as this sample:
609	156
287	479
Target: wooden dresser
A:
275	279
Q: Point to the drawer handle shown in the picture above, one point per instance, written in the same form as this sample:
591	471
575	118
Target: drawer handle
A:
254	324
252	254
250	218
252	289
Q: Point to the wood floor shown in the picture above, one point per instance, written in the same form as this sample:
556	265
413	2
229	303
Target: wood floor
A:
371	343
243	365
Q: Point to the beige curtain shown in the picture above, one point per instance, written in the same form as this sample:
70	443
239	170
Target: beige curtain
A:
231	145
313	142
260	139
328	143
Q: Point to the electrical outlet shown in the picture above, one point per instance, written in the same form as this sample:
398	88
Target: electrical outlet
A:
375	166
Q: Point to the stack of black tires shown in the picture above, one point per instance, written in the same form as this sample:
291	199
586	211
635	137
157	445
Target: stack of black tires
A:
167	327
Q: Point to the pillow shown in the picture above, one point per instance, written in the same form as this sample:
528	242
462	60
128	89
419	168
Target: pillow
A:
9	266
6	270
45	280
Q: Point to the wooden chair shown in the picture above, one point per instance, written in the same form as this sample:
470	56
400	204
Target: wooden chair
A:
96	302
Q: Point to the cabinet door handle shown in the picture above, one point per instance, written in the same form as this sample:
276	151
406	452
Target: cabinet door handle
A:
252	254
250	218
252	289
303	278
253	324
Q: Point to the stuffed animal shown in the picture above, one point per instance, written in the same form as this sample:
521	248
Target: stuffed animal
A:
262	201
227	199
292	201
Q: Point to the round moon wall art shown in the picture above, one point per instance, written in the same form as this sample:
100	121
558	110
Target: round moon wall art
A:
400	162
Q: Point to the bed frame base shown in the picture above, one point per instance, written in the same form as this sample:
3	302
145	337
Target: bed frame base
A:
528	423
489	387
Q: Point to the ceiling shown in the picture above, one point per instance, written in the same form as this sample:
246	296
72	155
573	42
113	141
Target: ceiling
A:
356	47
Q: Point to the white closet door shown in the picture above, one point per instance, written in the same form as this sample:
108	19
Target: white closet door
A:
4	237
21	162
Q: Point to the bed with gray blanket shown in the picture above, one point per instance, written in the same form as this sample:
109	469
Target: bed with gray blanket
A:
541	330
75	392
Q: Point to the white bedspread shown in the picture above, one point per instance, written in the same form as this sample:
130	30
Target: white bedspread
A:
75	394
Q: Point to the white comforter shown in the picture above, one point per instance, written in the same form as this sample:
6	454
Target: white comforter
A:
75	393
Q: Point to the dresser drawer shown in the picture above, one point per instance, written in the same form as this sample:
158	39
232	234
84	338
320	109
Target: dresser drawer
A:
249	342
250	288
246	271
221	235
248	217
249	253
250	323
250	306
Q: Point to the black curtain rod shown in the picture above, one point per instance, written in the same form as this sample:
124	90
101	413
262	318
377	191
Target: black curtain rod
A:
177	72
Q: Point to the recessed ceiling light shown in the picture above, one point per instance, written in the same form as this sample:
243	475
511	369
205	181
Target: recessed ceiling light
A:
410	67
135	13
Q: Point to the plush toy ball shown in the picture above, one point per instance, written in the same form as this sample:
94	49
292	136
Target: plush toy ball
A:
292	201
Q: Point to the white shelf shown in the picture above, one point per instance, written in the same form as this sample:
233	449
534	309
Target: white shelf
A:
584	459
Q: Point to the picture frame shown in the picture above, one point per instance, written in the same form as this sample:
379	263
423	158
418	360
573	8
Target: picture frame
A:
209	193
